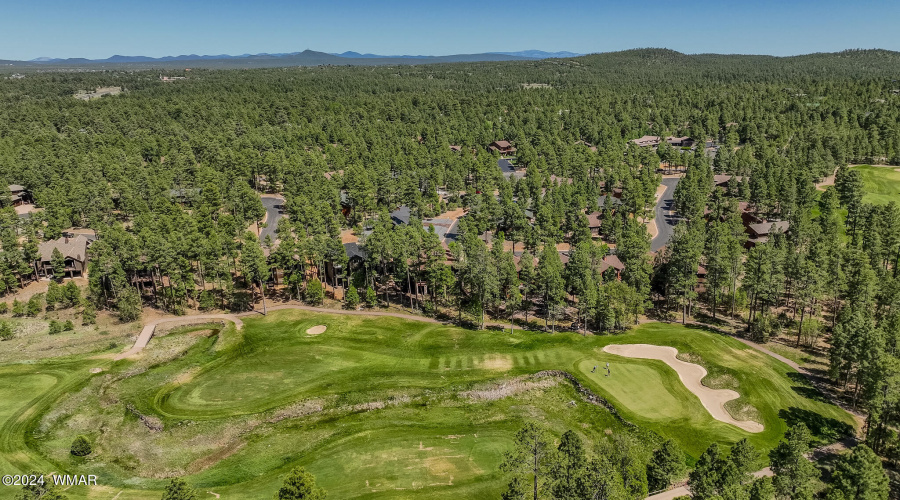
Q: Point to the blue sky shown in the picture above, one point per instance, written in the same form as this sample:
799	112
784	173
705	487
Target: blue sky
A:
101	28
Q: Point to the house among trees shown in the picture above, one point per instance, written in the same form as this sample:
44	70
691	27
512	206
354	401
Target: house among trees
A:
455	149
18	195
503	147
680	142
654	141
400	216
73	250
611	261
594	223
647	141
760	232
722	180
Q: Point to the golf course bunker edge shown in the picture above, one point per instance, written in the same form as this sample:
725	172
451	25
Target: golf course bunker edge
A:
690	374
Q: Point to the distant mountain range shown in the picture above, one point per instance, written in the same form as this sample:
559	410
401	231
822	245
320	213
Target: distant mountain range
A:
304	58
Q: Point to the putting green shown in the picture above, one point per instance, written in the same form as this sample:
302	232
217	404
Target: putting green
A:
643	388
403	405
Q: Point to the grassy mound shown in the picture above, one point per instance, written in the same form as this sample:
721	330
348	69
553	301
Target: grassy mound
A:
378	407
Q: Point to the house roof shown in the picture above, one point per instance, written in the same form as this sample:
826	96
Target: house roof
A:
401	215
16	187
764	228
724	178
611	261
594	219
71	248
354	251
501	144
455	148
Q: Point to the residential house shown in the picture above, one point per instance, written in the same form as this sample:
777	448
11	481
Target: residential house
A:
503	147
760	232
611	261
680	142
73	249
594	223
647	141
18	195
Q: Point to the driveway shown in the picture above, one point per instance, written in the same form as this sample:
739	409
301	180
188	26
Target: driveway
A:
274	206
665	218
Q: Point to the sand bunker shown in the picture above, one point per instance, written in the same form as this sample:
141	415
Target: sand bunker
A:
690	374
316	330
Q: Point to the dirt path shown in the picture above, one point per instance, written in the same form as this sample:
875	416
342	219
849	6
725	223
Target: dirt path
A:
691	375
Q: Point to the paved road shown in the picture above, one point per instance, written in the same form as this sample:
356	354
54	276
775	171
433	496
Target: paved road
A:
665	221
274	206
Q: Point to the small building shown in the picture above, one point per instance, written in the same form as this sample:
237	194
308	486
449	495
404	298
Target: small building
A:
73	249
455	149
503	147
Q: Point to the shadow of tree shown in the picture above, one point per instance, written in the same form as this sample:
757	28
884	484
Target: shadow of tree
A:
823	429
804	389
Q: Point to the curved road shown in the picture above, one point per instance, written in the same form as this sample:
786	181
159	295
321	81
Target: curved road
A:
665	219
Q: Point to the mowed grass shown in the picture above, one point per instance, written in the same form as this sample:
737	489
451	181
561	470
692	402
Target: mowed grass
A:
882	184
383	407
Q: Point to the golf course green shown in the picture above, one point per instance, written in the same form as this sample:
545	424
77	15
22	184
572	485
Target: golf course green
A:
881	183
375	407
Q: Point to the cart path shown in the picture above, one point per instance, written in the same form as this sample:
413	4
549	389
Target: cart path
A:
690	375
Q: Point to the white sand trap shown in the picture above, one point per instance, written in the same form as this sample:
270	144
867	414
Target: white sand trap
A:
316	330
690	374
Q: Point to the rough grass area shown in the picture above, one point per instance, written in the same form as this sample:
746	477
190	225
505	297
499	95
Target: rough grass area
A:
882	183
375	408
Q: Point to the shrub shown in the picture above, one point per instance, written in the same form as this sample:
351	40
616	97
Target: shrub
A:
68	326
55	295
352	298
81	447
763	327
89	314
71	294
6	331
207	300
4	308
55	327
179	490
315	292
35	305
371	297
18	308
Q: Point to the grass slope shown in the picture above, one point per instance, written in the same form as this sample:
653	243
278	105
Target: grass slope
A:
375	407
882	184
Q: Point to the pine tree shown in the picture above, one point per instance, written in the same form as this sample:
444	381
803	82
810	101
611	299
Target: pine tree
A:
532	456
352	299
860	475
665	466
795	475
178	489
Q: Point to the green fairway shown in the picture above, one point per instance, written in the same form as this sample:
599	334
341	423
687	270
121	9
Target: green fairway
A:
375	407
882	184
